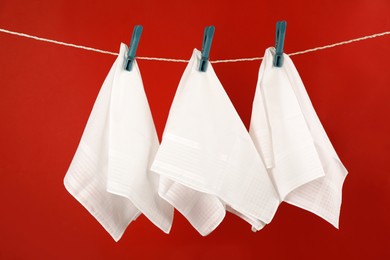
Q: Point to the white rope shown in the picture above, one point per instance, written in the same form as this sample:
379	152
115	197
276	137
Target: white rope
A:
340	43
161	59
57	42
181	60
237	60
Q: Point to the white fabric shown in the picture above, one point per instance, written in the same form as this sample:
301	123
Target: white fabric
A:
294	146
110	172
207	160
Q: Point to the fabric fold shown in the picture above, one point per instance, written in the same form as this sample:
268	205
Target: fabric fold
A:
292	142
207	160
110	172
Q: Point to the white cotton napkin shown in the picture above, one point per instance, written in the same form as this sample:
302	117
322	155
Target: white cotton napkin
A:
207	160
110	172
294	146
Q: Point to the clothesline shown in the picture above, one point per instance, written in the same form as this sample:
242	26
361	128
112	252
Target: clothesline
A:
183	60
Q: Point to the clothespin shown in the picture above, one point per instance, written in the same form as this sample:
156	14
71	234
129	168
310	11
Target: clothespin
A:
279	43
207	40
133	47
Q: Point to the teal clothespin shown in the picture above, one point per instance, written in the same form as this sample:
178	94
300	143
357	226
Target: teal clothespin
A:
133	47
207	40
279	43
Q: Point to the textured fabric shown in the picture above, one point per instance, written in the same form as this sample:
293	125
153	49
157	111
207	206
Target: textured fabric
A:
207	160
294	146
110	172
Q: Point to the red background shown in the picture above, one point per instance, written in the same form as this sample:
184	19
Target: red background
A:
47	92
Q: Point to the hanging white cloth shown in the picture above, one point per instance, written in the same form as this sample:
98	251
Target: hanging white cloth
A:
207	160
110	172
292	142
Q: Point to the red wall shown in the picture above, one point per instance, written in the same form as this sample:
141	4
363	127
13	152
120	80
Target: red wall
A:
47	92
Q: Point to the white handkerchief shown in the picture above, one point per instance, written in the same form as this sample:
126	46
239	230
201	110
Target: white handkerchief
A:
110	172
207	160
288	134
